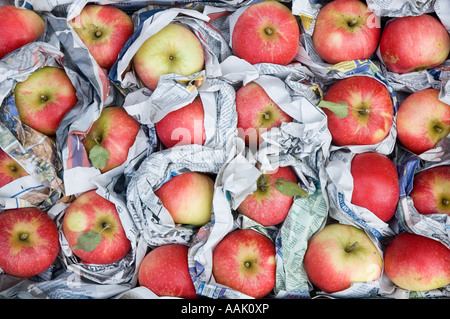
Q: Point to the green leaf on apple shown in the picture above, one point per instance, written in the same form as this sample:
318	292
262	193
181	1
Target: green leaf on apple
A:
88	241
340	109
98	156
290	188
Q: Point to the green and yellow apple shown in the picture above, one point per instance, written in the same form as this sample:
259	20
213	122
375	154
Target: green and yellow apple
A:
188	197
174	49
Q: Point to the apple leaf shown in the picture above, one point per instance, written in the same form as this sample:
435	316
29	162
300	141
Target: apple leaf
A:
340	109
99	156
88	241
290	188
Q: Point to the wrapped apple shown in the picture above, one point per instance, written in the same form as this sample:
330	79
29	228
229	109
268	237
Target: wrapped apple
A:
32	128
163	281
338	34
364	190
404	68
418	264
345	31
423	201
370	105
104	29
206	118
14	180
423	121
168	43
342	257
265	32
21	26
172	191
422	31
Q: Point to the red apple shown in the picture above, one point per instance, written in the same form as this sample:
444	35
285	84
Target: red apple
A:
266	32
174	49
29	242
44	98
417	263
110	137
414	43
370	111
257	113
346	30
164	270
104	30
188	198
340	255
19	26
267	205
422	121
244	260
375	184
9	169
183	126
431	190
93	229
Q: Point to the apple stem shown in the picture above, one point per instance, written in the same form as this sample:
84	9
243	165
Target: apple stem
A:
351	247
105	226
445	202
98	34
363	111
268	31
23	236
437	128
247	264
44	98
352	22
261	183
